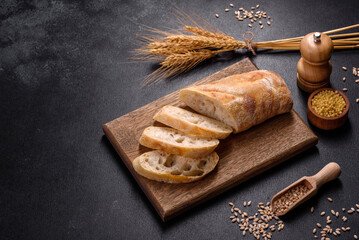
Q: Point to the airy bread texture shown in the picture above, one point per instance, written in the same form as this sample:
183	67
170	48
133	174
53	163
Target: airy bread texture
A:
241	101
176	142
164	167
192	123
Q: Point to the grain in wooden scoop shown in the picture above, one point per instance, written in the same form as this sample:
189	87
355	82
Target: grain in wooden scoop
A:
303	189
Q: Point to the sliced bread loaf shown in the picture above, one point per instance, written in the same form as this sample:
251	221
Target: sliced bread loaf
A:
165	167
192	123
241	101
176	142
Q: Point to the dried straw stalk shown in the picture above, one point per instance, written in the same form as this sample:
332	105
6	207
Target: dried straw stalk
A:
182	50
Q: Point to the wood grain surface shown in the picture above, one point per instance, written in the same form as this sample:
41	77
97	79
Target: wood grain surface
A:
242	156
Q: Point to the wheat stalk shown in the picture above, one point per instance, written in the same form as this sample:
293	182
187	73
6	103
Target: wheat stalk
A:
201	32
200	42
174	64
180	51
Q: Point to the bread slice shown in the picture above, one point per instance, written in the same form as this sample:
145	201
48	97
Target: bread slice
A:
164	167
192	123
176	142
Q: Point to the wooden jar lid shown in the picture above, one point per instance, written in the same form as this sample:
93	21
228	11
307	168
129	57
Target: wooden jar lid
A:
327	123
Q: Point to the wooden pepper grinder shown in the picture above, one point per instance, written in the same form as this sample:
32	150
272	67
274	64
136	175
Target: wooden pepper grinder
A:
314	67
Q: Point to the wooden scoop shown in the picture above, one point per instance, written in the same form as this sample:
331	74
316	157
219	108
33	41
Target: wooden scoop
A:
328	173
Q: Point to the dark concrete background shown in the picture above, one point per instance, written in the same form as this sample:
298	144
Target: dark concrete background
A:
65	71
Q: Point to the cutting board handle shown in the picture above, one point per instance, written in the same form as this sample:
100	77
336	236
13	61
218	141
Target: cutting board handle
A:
328	173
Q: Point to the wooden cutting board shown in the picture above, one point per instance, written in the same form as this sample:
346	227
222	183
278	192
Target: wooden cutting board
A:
242	156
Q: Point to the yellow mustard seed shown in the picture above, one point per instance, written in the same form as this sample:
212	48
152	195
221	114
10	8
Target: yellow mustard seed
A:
328	103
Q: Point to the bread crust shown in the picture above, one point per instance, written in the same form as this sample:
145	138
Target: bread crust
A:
243	100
